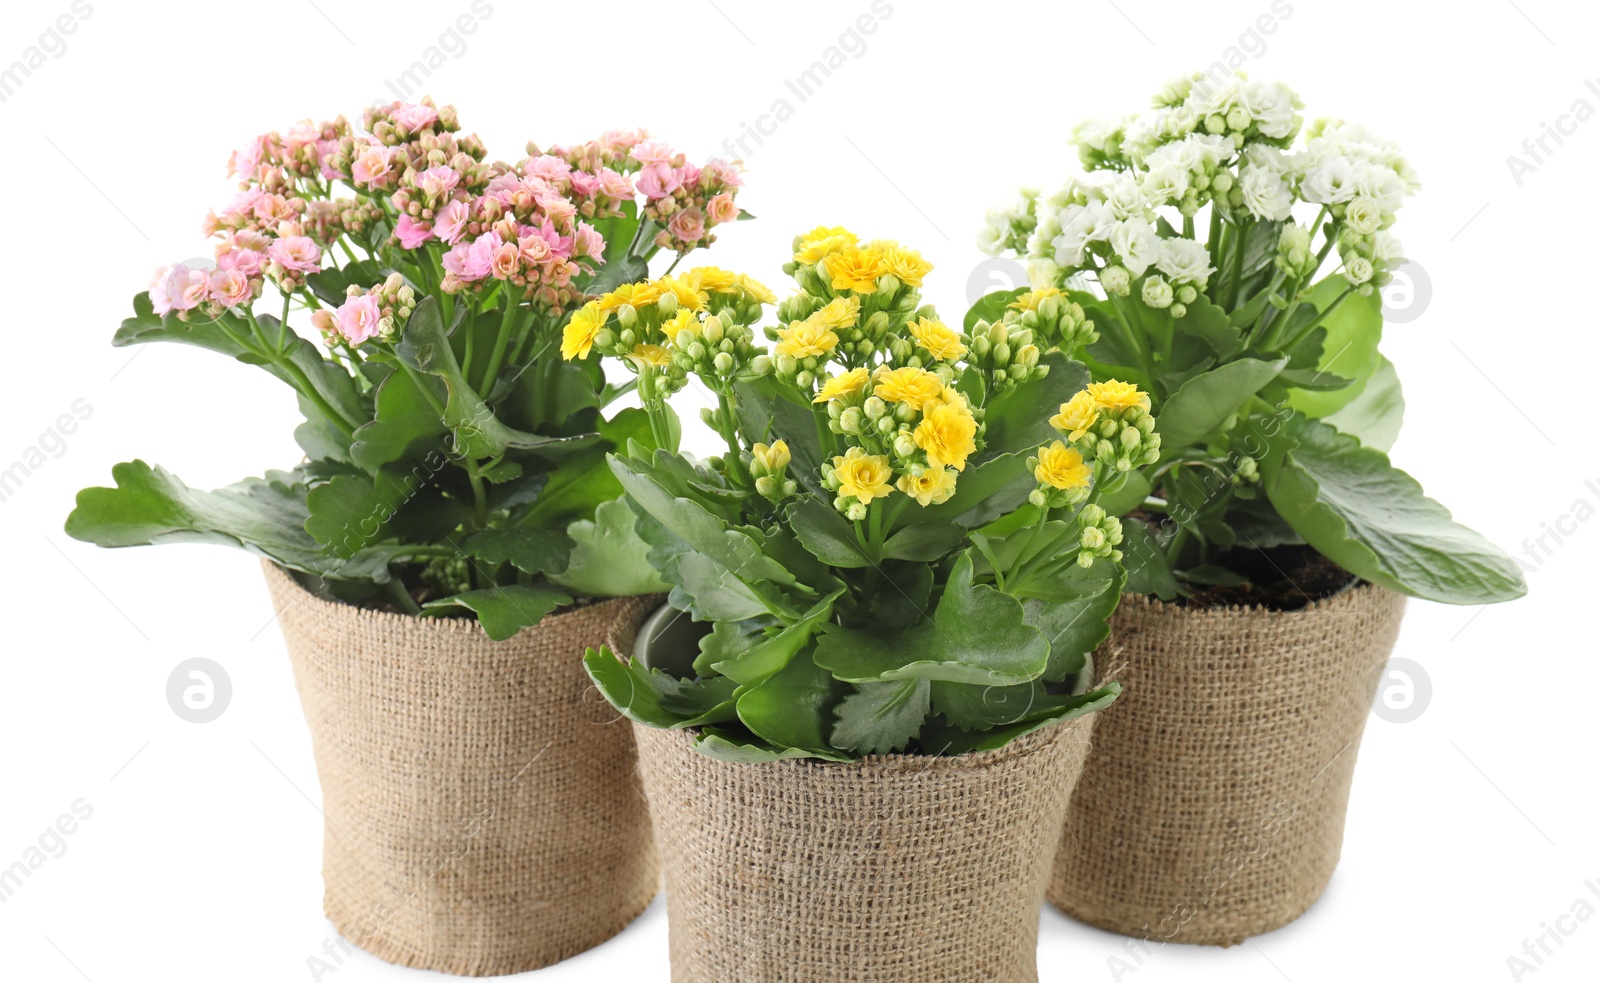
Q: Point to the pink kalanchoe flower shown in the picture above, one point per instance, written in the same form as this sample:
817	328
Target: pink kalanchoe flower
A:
178	287
271	210
323	320
724	172
480	257
589	243
243	162
414	117
652	151
659	181
558	209
359	318
535	249
504	262
687	225
547	167
373	167
722	209
455	261
411	232
450	224
437	182
245	261
230	288
615	184
296	253
584	183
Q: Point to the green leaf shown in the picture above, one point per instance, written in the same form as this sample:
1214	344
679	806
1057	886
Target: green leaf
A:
1375	415
983	494
425	347
1372	519
880	718
924	541
709	534
952	740
403	420
1146	564
736	748
772	655
727	640
656	699
351	512
792	707
826	534
264	516
530	550
608	558
504	611
1074	614
713	593
1350	349
579	483
1203	403
977	635
1019	418
990	307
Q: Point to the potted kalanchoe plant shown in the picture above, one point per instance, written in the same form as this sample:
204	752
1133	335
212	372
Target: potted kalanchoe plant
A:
884	592
1230	260
434	557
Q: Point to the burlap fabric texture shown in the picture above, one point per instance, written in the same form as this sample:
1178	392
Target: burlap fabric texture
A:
1212	807
893	869
483	815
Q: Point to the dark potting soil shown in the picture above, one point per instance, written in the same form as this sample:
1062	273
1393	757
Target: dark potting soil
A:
1283	578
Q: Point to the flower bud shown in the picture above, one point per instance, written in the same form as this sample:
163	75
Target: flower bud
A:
1157	292
627	316
850	420
874	407
1115	280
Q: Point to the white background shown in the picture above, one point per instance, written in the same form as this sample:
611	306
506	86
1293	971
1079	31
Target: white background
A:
1471	826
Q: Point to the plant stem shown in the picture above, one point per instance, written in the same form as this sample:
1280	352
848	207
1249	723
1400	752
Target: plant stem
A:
402	597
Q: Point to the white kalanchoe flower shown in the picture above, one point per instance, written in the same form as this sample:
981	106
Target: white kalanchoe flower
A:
1266	195
1136	244
1184	261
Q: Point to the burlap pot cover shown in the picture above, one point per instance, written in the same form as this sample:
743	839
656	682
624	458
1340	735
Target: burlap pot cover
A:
483	815
895	868
1212	807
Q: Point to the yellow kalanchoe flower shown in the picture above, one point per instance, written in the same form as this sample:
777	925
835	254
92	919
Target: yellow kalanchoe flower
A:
824	240
933	486
846	384
946	434
756	290
862	476
1062	467
1077	415
774	458
802	339
686	294
908	385
682	321
655	355
855	269
637	294
936	339
907	265
711	278
1115	395
577	338
1031	300
840	312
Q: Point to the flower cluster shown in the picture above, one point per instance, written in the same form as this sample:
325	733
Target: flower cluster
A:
368	314
1110	423
1226	142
